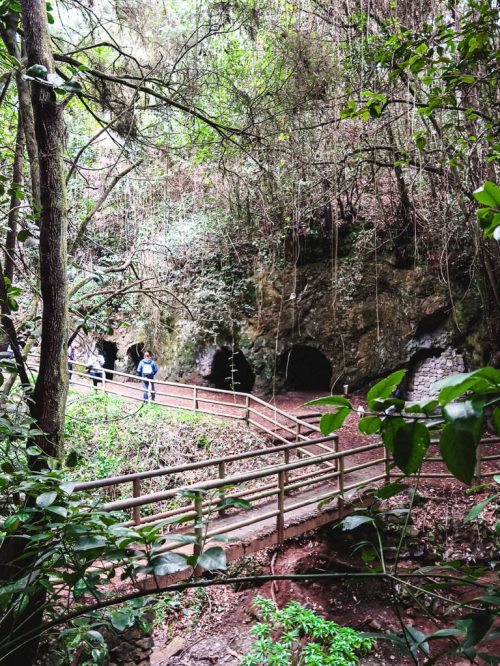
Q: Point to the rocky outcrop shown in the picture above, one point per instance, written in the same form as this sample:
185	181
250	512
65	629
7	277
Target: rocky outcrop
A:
366	319
318	326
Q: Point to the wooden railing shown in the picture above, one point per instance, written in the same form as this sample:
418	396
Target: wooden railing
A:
310	462
204	400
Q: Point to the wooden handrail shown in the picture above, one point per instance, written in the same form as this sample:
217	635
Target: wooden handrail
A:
245	406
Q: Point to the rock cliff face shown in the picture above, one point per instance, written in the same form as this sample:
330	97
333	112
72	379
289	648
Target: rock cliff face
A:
365	321
316	328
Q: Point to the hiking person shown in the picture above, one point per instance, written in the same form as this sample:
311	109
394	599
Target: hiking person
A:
95	364
147	370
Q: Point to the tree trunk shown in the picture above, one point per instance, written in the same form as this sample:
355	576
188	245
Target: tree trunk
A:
10	35
17	179
49	396
52	382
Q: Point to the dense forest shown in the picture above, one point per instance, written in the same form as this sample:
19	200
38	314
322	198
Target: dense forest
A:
277	196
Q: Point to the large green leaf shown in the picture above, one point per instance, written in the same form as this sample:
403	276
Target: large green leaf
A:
369	425
352	522
479	508
488	194
488	373
495	419
454	386
331	422
213	558
411	442
169	563
426	407
46	499
458	450
338	400
385	387
236	502
390	489
389	428
467	415
381	404
122	619
90	542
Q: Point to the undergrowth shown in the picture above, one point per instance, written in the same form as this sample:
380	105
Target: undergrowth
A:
296	635
110	437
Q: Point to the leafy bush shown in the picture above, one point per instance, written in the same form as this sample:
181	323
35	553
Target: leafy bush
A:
304	638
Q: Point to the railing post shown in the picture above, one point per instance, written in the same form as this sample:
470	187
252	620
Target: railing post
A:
222	474
103	381
341	486
336	449
478	464
247	409
281	507
136	492
297	440
195	398
198	526
287	461
387	465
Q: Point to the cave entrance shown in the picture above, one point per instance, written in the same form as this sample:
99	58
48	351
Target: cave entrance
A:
306	369
134	355
230	370
110	352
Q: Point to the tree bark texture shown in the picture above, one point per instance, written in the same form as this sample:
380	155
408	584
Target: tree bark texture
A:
17	179
10	36
49	396
52	383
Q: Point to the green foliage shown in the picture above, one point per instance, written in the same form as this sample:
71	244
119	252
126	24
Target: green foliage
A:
489	216
457	417
406	430
297	635
73	549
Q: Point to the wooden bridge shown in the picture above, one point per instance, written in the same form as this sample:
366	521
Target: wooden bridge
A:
307	488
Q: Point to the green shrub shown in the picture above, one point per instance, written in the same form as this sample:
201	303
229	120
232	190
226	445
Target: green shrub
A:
296	635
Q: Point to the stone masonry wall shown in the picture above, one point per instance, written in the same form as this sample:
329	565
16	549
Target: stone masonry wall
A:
431	370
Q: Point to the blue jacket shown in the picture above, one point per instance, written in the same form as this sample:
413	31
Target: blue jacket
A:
147	368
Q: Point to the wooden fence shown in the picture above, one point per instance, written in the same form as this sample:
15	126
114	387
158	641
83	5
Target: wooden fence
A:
312	465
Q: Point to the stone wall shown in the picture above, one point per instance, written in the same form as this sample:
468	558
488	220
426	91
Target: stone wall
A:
430	370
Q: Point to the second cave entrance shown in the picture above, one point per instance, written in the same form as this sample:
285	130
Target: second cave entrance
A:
305	369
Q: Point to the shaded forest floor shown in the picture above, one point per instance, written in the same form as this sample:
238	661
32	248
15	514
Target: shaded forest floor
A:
212	626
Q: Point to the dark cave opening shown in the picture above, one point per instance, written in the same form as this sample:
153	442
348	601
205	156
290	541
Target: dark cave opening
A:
420	356
306	369
230	370
134	355
110	352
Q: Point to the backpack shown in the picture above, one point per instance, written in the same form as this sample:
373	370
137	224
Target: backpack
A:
148	369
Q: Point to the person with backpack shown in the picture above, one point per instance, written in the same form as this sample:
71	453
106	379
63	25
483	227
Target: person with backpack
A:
147	370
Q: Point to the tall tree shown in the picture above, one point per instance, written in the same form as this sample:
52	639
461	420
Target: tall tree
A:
48	402
52	381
